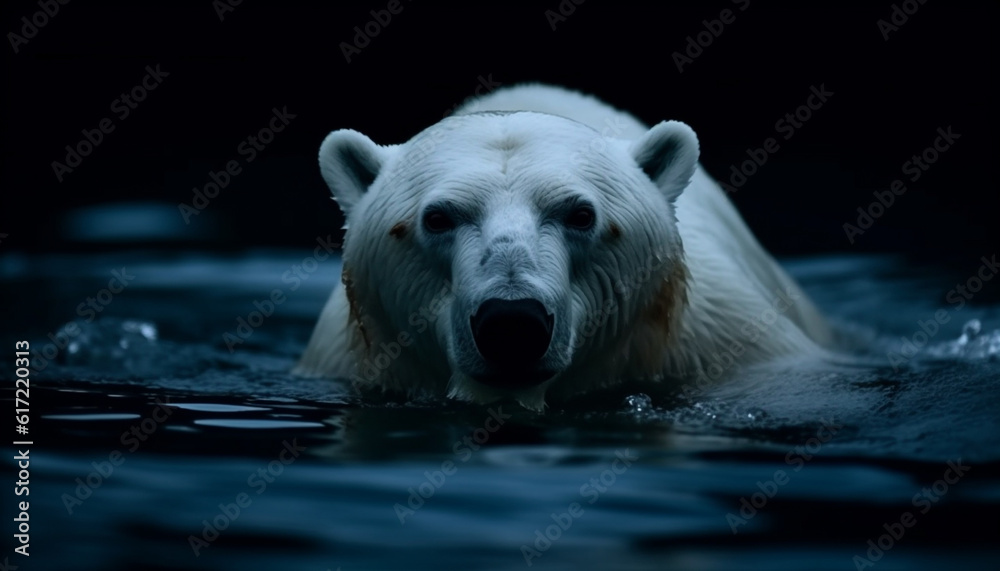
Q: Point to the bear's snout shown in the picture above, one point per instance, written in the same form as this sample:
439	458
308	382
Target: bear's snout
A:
512	336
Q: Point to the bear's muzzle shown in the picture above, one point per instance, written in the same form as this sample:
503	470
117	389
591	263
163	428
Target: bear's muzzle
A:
513	336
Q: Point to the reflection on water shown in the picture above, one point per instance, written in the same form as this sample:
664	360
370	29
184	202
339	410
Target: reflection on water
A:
156	447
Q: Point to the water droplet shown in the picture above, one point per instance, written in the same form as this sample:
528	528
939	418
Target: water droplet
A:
146	329
755	414
638	402
109	342
994	348
969	331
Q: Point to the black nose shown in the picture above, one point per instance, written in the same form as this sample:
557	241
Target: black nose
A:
512	335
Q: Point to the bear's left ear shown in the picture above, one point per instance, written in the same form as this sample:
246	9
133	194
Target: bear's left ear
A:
668	154
349	162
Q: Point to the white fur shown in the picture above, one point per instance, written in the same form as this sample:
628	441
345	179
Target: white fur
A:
508	175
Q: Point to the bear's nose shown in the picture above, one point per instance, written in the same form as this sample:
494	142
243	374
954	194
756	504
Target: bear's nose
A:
512	335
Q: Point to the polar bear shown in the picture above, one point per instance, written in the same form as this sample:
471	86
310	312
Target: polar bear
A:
539	244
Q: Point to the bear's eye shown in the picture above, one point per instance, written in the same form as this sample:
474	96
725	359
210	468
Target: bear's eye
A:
581	218
436	221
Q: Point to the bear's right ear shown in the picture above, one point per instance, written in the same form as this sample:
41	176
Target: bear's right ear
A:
349	162
668	154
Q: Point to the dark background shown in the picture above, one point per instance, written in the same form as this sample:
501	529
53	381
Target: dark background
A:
225	76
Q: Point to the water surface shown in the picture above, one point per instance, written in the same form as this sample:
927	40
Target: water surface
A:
162	443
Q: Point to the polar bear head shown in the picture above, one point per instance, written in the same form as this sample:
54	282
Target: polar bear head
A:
510	254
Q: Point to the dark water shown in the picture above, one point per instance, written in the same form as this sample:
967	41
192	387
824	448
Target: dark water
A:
152	440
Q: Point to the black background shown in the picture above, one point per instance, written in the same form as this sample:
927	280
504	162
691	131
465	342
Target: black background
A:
226	75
